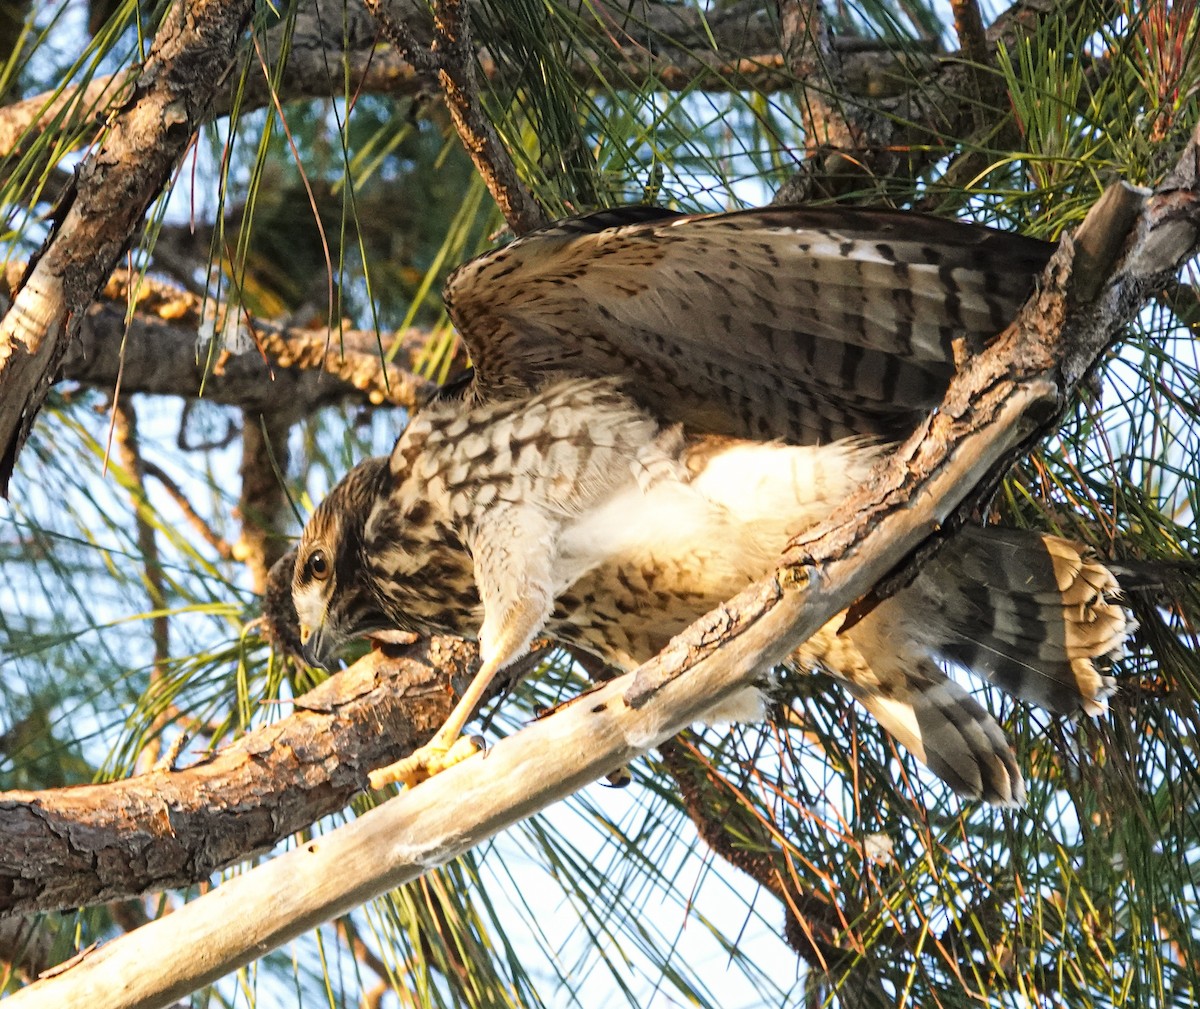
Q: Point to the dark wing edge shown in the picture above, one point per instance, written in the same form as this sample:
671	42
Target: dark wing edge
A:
801	323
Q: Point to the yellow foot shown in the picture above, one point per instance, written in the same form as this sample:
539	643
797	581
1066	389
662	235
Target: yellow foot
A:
432	758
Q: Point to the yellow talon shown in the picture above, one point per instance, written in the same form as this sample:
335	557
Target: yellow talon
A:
432	758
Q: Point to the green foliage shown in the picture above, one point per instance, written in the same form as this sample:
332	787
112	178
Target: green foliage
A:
355	207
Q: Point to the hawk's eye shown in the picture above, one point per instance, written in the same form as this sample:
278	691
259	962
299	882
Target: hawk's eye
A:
318	565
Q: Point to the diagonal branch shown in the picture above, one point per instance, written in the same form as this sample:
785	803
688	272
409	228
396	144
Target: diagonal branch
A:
1010	394
114	186
844	141
68	847
452	58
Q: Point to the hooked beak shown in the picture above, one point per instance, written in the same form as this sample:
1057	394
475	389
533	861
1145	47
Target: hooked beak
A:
316	645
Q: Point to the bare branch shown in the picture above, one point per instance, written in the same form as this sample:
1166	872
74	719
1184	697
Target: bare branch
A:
262	504
729	828
842	140
175	493
297	371
452	58
125	440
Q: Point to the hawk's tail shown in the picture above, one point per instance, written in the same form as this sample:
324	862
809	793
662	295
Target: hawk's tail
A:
1035	614
921	708
944	727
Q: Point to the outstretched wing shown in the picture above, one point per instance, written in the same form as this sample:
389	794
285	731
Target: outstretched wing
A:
801	323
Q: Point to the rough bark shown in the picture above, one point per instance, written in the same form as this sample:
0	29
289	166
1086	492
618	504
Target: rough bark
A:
451	58
293	372
333	49
97	216
68	847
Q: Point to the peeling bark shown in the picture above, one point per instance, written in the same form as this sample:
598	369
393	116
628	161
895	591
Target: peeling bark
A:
97	216
69	847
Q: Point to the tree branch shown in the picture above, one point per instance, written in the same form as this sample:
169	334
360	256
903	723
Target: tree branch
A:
452	58
192	52
843	142
295	370
126	443
262	504
69	847
676	47
333	51
731	830
118	181
175	493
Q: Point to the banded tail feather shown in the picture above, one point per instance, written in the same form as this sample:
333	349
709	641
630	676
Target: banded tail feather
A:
1035	614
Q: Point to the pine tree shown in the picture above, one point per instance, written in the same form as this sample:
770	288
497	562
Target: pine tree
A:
274	314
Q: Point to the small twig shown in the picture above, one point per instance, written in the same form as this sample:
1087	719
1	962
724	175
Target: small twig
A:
166	762
195	520
452	59
125	438
262	505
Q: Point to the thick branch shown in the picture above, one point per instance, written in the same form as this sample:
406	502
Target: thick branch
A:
297	371
115	184
333	51
67	847
1009	394
675	46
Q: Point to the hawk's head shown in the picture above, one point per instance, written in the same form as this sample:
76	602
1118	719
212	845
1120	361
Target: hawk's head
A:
331	585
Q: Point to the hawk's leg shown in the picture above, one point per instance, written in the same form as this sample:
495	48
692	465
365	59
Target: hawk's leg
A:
448	747
513	572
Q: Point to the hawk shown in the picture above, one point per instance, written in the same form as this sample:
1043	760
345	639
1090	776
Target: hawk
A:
659	403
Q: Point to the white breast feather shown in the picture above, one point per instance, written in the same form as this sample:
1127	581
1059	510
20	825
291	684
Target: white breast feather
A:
737	513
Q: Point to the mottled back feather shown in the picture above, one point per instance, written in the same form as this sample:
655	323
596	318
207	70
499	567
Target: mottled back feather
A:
801	323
